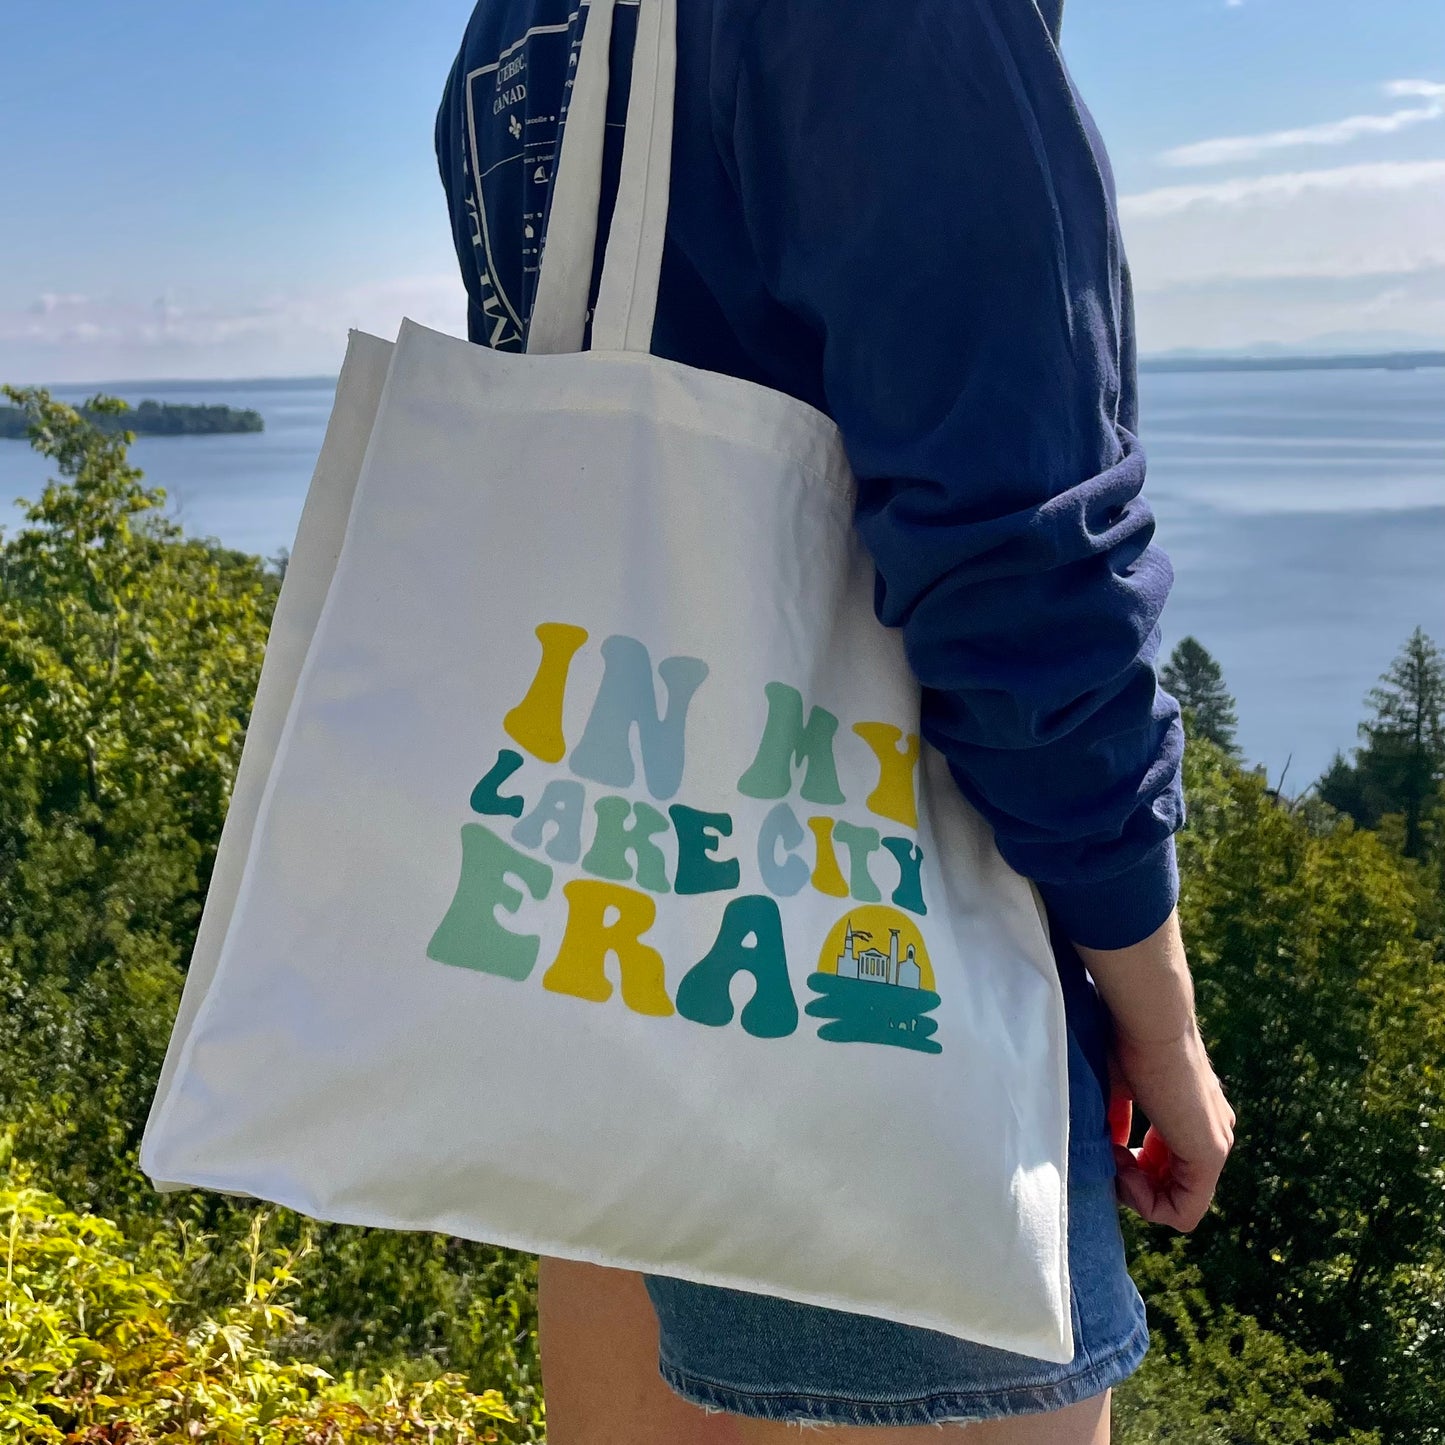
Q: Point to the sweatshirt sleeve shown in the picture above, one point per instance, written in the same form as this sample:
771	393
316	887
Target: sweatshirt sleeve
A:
924	189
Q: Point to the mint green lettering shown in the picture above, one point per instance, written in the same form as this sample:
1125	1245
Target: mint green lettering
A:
786	740
470	935
617	837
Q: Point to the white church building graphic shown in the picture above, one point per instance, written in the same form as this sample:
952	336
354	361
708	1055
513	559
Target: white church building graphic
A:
873	966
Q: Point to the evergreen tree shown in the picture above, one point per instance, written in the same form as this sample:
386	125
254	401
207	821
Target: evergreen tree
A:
1197	681
1403	760
1343	787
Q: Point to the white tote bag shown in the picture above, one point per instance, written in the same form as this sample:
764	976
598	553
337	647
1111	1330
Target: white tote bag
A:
600	900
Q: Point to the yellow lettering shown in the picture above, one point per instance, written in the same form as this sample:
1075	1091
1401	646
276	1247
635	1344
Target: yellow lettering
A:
536	722
827	875
895	796
580	966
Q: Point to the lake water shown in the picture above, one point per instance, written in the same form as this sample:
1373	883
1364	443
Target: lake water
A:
1304	512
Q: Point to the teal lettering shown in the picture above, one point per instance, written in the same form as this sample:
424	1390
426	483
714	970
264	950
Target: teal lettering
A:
699	836
485	797
909	893
750	939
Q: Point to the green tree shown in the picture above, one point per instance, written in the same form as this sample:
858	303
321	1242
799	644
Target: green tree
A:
129	654
94	1346
1403	760
1342	787
1196	680
1325	1014
1399	772
1214	1376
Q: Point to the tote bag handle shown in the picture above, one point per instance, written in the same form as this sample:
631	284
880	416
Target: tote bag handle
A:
632	268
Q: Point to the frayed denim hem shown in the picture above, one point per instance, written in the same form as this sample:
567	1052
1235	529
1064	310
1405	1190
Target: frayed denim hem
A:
957	1408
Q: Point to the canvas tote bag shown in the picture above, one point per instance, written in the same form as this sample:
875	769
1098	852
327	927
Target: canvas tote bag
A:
587	889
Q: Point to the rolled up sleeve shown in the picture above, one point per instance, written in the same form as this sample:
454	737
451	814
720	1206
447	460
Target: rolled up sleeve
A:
923	187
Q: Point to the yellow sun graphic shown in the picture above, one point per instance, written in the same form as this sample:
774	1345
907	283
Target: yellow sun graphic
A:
866	936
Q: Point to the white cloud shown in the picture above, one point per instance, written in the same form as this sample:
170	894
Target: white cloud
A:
73	338
1285	186
1283	256
1225	149
1290	255
1433	89
1356	314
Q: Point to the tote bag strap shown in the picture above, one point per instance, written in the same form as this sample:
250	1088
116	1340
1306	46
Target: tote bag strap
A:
627	300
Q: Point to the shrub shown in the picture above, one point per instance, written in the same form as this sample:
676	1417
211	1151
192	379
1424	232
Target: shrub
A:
92	1352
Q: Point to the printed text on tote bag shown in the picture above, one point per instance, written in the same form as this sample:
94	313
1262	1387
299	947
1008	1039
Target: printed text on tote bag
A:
873	982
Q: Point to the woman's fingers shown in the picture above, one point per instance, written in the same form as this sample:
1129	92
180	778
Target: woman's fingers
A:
1171	1178
1161	1188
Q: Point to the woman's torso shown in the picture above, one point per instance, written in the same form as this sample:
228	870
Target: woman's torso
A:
497	136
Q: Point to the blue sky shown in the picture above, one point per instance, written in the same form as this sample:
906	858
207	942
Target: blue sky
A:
221	190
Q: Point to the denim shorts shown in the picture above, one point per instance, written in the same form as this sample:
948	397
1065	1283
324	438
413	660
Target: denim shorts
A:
754	1355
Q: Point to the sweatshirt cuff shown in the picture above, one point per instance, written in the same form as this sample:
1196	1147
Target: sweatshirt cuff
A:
1119	911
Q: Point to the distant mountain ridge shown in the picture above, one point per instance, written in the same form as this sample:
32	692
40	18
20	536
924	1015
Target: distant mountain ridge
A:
1329	351
1328	343
1364	361
1335	350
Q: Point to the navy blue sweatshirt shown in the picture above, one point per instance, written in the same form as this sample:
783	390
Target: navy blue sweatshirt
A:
900	211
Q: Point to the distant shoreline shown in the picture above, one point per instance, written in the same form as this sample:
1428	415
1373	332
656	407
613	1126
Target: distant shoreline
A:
1383	361
1343	361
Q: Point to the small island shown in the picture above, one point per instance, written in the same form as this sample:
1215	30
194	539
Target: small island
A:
150	419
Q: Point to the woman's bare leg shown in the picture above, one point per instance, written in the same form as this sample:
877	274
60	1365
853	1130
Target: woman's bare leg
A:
599	1366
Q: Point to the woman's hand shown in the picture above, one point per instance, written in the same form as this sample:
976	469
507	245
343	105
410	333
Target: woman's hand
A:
1159	1062
1172	1177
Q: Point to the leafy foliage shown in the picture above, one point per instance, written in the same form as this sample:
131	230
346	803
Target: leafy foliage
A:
128	657
1325	1014
93	1349
1215	1377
